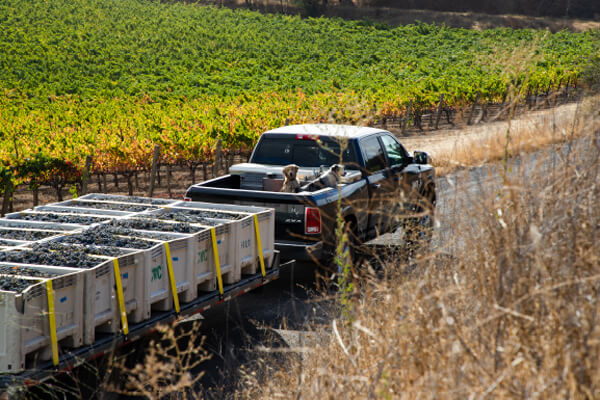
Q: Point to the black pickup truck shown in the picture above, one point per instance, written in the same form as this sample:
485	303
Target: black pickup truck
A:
383	186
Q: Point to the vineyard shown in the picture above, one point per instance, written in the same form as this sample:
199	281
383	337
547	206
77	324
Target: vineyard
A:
110	79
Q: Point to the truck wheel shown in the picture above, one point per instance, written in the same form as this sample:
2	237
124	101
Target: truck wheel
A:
419	230
354	243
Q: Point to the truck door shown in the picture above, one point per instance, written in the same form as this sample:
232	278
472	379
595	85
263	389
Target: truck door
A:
400	195
380	182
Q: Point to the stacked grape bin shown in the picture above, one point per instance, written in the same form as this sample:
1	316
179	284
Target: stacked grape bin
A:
73	271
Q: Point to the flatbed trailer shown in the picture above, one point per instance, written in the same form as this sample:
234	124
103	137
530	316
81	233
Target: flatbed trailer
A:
106	343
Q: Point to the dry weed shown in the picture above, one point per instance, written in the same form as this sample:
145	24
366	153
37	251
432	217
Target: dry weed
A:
167	369
506	307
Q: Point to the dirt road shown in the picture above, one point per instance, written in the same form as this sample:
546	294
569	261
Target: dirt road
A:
557	122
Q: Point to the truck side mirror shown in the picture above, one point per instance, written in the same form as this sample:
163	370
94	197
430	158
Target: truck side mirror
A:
421	157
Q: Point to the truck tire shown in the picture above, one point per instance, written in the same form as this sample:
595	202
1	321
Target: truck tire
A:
419	230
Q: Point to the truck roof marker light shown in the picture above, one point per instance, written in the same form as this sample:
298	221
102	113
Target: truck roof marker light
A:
301	136
312	220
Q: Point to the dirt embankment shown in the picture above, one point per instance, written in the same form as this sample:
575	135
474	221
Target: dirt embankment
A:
476	145
397	16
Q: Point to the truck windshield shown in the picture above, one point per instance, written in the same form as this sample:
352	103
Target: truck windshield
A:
304	153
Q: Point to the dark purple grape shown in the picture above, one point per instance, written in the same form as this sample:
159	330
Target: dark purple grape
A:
129	199
25	271
153	225
32	236
42	255
101	236
63	218
111	206
12	284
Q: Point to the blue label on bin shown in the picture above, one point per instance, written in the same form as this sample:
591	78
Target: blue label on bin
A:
218	242
63	299
175	258
126	275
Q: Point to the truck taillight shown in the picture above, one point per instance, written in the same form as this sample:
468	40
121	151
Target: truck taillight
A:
187	199
312	220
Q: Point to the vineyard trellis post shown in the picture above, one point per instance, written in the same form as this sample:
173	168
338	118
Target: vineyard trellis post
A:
169	180
85	176
439	111
470	120
407	117
8	192
36	195
204	172
217	160
153	171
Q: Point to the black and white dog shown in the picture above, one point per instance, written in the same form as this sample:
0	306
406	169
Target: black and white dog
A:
329	179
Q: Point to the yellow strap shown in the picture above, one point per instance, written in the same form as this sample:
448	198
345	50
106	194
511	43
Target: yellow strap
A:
120	297
259	247
52	320
213	236
172	277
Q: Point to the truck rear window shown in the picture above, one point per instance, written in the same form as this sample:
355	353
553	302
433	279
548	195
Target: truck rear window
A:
304	153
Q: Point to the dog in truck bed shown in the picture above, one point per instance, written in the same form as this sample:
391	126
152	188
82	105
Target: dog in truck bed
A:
330	178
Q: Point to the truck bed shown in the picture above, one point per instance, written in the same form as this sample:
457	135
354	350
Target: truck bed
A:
290	236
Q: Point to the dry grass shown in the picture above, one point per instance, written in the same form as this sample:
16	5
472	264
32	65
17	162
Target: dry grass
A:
167	368
506	307
483	144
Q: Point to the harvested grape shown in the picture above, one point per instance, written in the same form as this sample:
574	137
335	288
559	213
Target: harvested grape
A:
111	206
153	225
145	235
89	249
63	218
38	254
129	199
25	271
209	213
12	284
100	236
194	216
67	209
31	236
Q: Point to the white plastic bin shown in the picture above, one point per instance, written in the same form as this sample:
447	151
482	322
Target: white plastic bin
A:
99	304
29	311
203	269
182	247
225	232
247	247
